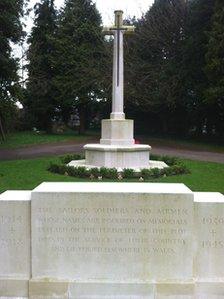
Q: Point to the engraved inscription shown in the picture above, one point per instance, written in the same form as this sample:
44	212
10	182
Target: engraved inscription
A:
9	226
107	230
214	226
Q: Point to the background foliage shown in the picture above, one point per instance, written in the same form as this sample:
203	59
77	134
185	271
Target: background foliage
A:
174	67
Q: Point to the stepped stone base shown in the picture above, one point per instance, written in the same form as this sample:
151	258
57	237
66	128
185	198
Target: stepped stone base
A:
151	164
57	289
132	156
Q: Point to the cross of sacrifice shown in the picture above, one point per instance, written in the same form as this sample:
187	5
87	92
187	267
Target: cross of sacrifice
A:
118	30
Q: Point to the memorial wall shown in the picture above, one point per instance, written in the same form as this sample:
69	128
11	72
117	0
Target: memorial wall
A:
111	240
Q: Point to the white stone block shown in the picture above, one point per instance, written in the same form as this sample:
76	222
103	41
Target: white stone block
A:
117	156
209	228
212	290
152	164
111	291
13	288
112	232
14	243
48	289
52	289
175	291
117	132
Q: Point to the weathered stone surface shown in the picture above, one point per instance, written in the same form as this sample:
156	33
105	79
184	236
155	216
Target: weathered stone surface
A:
111	240
13	288
175	291
48	289
209	228
15	257
117	132
76	290
212	290
112	232
118	156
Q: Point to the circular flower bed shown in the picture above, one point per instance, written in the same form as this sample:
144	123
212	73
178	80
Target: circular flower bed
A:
175	167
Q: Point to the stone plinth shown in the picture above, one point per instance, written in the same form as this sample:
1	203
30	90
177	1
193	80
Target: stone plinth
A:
112	232
209	216
133	156
15	259
117	149
111	240
117	132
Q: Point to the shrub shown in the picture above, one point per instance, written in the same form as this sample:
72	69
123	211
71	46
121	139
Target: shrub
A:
53	168
72	171
60	169
82	172
128	173
155	173
95	172
146	173
68	158
109	173
103	172
168	160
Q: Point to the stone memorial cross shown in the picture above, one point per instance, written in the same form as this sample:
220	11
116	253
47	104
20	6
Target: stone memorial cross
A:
118	30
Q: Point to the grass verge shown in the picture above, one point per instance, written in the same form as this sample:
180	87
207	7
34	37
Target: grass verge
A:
26	138
27	174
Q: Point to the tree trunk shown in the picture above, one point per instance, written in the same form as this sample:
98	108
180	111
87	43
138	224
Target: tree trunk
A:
82	120
2	133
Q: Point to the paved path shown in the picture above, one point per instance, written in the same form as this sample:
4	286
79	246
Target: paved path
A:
69	148
189	154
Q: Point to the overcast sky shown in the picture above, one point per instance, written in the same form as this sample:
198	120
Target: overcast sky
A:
106	7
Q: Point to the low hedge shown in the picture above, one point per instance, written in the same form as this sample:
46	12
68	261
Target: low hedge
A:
176	167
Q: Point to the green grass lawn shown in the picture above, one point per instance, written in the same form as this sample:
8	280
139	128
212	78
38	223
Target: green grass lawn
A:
27	174
22	139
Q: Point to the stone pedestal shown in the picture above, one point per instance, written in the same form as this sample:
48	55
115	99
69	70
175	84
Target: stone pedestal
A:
133	156
117	149
117	132
111	240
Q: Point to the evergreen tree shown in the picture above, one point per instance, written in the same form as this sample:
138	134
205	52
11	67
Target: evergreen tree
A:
155	77
198	24
40	104
11	31
79	59
215	69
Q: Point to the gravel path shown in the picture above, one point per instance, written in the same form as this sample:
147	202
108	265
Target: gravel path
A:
69	148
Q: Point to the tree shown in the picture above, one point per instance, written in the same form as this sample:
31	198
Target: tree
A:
79	59
11	32
40	104
155	81
195	80
215	69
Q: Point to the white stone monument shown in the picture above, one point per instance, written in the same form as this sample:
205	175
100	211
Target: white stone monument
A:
111	240
117	147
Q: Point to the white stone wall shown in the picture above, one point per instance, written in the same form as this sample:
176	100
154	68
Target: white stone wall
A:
111	240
